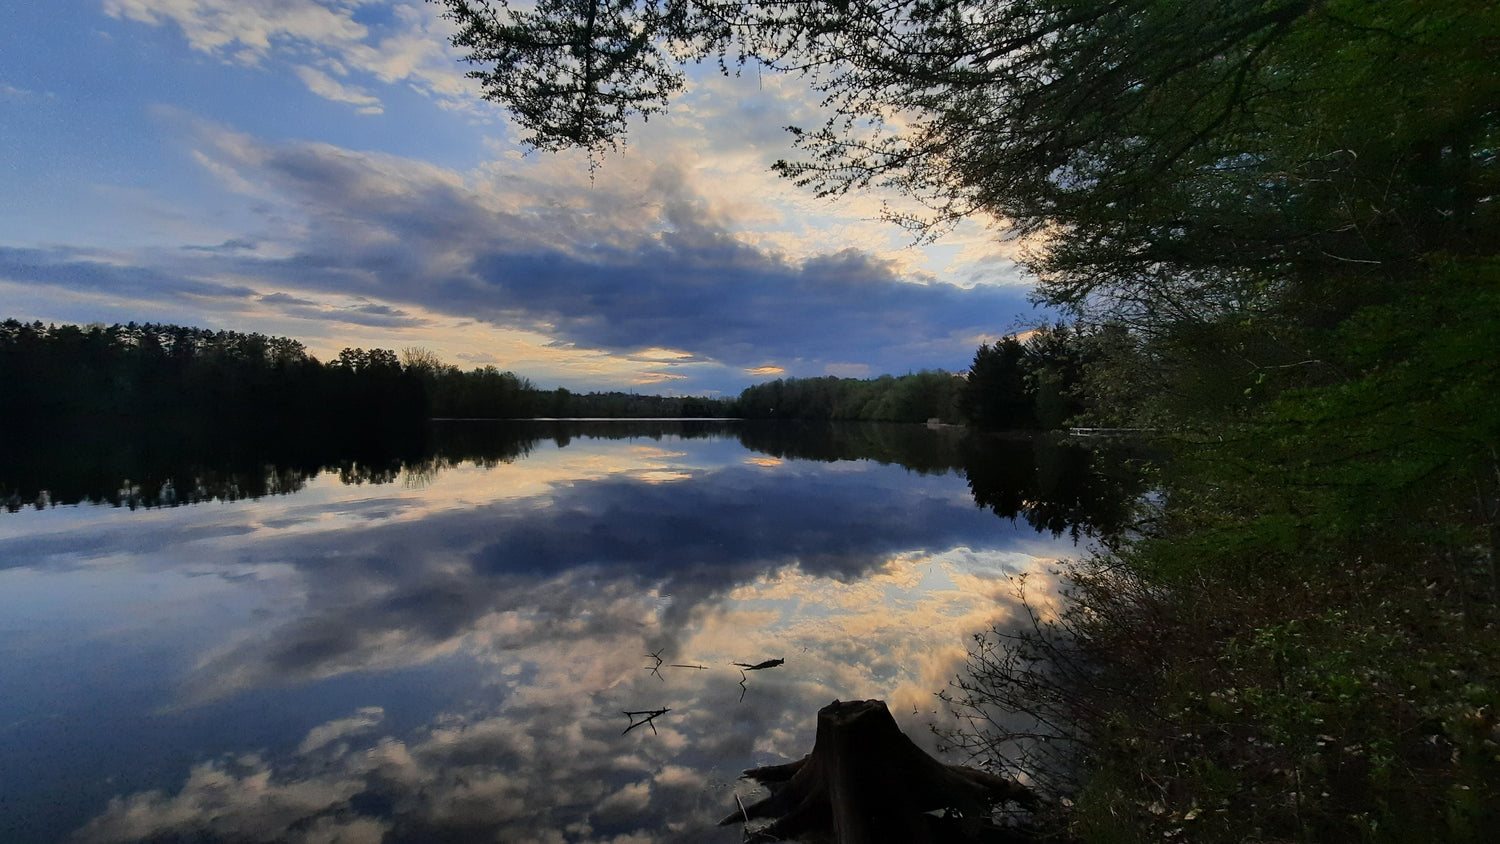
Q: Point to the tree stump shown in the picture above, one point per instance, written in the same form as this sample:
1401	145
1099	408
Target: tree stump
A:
865	782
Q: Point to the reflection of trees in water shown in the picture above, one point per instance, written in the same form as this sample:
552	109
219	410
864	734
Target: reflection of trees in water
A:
916	447
1055	486
150	465
161	465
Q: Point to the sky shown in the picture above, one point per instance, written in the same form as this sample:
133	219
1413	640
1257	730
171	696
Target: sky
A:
323	170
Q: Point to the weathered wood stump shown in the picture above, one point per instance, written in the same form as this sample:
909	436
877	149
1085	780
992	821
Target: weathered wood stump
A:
865	782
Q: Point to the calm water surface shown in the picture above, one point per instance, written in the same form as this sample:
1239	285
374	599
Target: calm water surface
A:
442	647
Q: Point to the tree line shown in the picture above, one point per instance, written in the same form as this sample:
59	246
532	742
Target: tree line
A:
915	397
193	380
186	379
1038	381
490	393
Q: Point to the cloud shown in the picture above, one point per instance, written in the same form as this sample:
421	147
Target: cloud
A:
235	244
22	95
329	88
369	314
246	28
585	265
380	310
366	718
76	270
660	377
520	562
408	44
285	299
848	370
684	242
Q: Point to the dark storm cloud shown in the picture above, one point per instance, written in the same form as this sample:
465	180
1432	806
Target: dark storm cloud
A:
598	268
734	304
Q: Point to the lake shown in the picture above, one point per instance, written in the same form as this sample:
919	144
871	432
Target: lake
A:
442	644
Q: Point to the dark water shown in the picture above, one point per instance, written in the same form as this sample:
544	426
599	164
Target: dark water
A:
438	641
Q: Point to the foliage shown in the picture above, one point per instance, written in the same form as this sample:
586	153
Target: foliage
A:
995	393
1398	450
1356	704
574	72
914	397
1045	382
1300	641
165	380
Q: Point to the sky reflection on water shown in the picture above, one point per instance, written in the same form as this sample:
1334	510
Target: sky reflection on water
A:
449	655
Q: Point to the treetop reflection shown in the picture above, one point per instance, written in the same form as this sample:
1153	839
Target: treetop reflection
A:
1052	485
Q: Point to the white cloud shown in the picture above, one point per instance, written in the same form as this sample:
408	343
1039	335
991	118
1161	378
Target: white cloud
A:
413	50
248	27
685	240
366	718
632	798
329	88
15	94
241	798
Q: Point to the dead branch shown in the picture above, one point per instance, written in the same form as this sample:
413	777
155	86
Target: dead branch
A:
770	663
649	718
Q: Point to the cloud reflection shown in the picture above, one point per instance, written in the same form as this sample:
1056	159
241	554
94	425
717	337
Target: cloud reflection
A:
573	564
486	631
549	762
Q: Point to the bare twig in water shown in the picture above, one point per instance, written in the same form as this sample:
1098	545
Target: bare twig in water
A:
680	665
649	718
656	669
770	663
